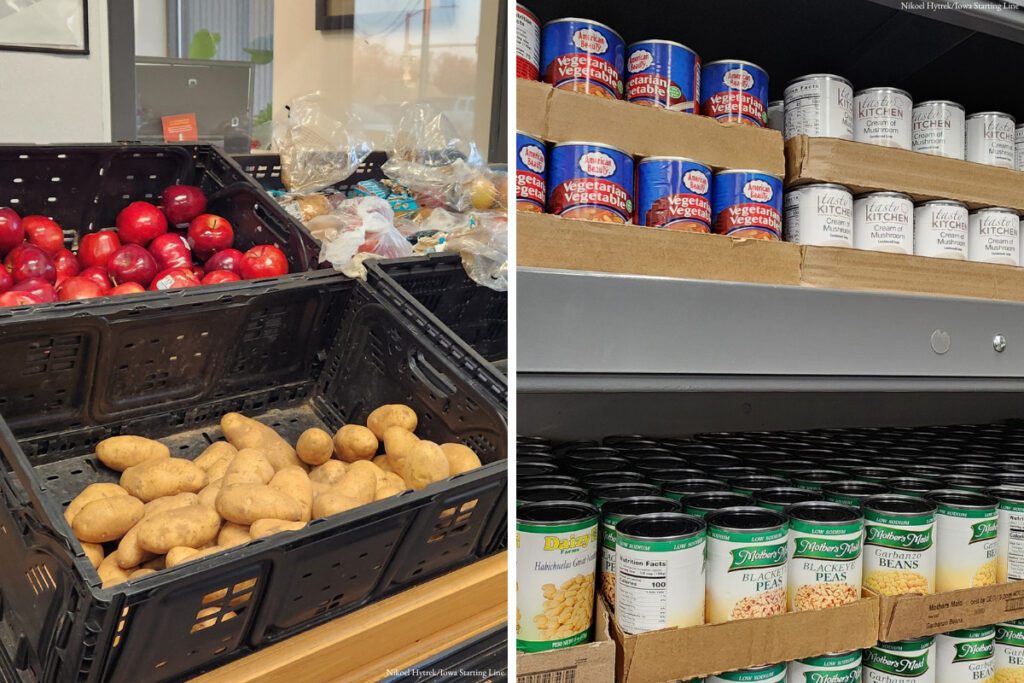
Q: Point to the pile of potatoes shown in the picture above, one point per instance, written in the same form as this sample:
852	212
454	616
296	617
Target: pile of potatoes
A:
166	511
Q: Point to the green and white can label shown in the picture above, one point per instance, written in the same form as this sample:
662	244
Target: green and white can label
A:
825	564
746	574
899	553
608	534
1010	542
840	667
966	544
965	656
775	673
555	584
906	661
659	583
1009	652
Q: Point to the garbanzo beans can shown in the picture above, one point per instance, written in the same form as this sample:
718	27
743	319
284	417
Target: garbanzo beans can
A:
1010	534
773	673
613	512
966	523
965	656
834	667
899	547
825	543
556	545
905	661
746	571
1009	651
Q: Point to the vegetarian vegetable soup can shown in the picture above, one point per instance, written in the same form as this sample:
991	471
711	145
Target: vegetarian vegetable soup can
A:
966	523
899	544
531	170
673	193
613	512
825	547
904	661
834	667
556	546
590	181
1009	651
965	656
661	73
773	673
583	56
734	91
747	203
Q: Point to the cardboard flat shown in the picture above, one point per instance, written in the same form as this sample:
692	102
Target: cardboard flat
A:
645	131
909	616
869	168
697	651
594	661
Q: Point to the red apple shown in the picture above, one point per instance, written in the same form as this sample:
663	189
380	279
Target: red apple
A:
217	277
208	234
79	287
132	263
140	223
66	264
18	299
6	281
12	232
174	278
37	287
198	271
264	260
99	275
182	203
226	259
128	288
96	248
44	233
171	251
28	261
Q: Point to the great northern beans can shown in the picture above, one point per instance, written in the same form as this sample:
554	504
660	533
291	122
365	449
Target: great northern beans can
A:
1009	652
965	656
825	544
899	548
747	203
904	661
583	56
590	181
734	91
965	538
1010	533
834	667
613	512
773	673
660	73
556	546
673	193
531	171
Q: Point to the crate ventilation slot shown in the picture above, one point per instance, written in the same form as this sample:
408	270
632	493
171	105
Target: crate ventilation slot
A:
119	634
40	578
452	521
223	605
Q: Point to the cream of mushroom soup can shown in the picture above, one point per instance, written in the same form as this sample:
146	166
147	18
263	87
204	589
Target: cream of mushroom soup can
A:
884	221
1018	147
990	139
965	656
940	229
966	523
899	547
819	105
882	116
773	673
993	236
825	555
819	214
659	571
1010	532
833	667
746	565
556	557
938	128
904	661
1009	652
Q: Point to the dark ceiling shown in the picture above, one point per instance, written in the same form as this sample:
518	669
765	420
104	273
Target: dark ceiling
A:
868	43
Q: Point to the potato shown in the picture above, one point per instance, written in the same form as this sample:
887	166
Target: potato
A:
110	572
192	526
398	443
424	464
216	452
129	553
232	535
94	553
182	554
164	477
140	572
392	415
330	473
314	447
354	442
121	452
386	491
156	563
359	485
295	482
381	461
262	528
460	458
250	466
245	503
178	500
392	479
220	468
379	475
89	494
208	496
244	432
331	503
107	519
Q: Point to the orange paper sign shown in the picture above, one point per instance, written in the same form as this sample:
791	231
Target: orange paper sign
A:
180	128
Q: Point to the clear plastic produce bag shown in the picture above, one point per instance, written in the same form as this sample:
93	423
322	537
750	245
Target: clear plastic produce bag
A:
317	149
483	245
360	228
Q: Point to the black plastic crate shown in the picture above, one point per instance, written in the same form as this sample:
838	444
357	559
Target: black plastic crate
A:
322	352
266	170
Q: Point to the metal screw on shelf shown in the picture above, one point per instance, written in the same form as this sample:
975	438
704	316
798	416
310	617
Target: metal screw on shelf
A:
940	341
999	343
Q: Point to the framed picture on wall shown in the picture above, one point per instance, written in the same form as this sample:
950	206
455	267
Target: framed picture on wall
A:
60	26
335	15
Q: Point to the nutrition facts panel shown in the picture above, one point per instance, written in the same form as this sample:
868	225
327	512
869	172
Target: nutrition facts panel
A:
656	582
642	596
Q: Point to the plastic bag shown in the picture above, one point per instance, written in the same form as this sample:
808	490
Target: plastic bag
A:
360	228
318	150
483	246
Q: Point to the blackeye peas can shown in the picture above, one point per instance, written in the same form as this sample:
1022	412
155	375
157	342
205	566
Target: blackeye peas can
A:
882	116
904	661
700	504
1010	532
940	229
819	105
673	193
582	56
527	44
819	214
852	492
661	73
966	523
1009	651
834	667
746	570
590	181
779	498
899	547
734	91
938	129
993	236
825	564
612	513
773	673
531	171
747	204
659	571
990	139
965	656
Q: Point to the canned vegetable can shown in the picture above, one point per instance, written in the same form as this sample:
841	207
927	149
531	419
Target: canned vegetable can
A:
993	236
904	661
531	170
939	129
527	44
825	563
882	116
747	204
940	229
1010	532
884	221
819	105
965	539
773	673
819	214
990	139
614	512
734	91
899	547
778	498
582	56
835	667
966	655
661	73
1009	651
673	193
590	181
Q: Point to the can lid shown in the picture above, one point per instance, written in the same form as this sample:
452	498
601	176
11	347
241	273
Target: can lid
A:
741	62
693	485
831	77
524	10
961	499
556	512
760	481
1009	492
883	88
777	102
545	479
948	103
747	518
534	494
864	488
997	209
823	512
918	484
899	505
660	41
746	170
588	144
661	525
942	202
639	505
822	186
887	193
580	20
595	479
785	495
625	490
1000	114
672	158
531	468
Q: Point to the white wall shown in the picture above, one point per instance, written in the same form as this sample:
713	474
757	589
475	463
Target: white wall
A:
151	28
58	98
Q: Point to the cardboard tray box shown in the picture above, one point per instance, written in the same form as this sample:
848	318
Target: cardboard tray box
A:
910	616
593	661
561	116
868	168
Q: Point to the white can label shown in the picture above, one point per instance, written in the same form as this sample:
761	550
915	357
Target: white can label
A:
775	673
882	118
777	115
837	668
1009	652
938	129
554	584
883	223
1010	537
899	553
527	45
819	107
659	583
965	541
824	564
940	230
909	661
965	656
1018	147
746	574
821	216
990	140
994	237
